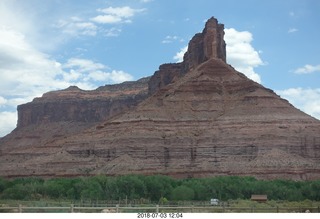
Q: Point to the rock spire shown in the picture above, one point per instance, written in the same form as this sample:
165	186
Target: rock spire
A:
206	45
202	47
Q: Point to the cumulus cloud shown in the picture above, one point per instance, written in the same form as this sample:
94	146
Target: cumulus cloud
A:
112	15
113	76
8	121
179	55
83	65
75	26
88	70
307	69
241	55
14	20
106	19
307	100
22	66
3	101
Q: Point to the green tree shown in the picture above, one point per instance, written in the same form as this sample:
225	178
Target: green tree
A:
3	184
75	188
17	192
200	190
158	186
131	187
182	193
57	188
315	190
92	191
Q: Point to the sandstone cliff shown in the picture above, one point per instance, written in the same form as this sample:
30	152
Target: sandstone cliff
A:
74	104
61	113
202	118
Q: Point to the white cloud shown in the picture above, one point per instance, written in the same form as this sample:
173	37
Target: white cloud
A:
171	39
114	76
72	75
106	19
119	76
292	30
240	53
179	55
83	65
114	15
112	32
8	121
12	16
123	12
23	66
3	101
307	69
75	26
307	100
88	70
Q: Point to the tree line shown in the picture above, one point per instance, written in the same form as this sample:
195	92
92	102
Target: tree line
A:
156	188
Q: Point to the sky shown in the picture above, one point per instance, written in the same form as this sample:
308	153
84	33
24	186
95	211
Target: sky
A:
53	44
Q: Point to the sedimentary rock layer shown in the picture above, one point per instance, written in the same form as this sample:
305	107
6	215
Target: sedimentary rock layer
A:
76	105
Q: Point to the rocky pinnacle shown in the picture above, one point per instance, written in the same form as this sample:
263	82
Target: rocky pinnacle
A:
206	45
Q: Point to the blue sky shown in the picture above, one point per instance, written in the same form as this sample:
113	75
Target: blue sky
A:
52	44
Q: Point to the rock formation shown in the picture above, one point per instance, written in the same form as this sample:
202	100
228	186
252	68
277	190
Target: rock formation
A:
206	45
74	104
202	47
202	118
58	114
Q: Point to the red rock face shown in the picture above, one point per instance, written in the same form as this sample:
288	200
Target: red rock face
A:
164	76
77	105
211	120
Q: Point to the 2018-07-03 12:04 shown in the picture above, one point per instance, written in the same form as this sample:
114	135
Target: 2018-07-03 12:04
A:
159	215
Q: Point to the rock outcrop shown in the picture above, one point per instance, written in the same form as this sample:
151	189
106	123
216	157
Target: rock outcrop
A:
206	45
76	105
59	114
210	120
202	47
